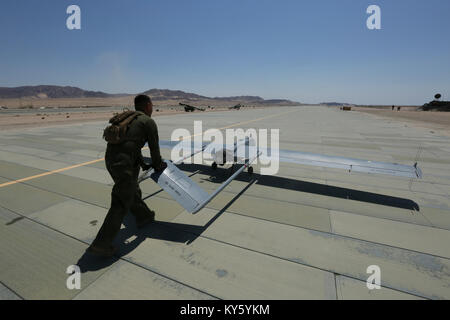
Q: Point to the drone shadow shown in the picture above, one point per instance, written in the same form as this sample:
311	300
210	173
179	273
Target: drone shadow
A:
217	176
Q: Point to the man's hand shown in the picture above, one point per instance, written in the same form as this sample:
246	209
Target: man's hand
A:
161	167
146	167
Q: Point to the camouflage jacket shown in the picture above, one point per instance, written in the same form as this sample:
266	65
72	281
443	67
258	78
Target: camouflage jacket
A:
141	130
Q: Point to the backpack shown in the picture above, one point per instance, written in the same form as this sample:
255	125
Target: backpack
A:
116	131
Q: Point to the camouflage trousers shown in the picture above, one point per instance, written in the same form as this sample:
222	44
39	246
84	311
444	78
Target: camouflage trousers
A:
126	196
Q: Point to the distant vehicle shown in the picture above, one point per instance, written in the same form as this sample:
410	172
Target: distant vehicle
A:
189	108
236	107
436	105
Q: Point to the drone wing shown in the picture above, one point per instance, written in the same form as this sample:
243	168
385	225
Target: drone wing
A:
350	164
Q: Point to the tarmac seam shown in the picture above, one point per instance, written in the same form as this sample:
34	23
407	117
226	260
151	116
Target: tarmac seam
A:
326	208
120	258
167	277
63	162
55	230
147	269
277	222
101	275
219	241
309	177
291	261
48	173
352	212
18	295
320	207
232	244
102	159
339	235
338	287
446	195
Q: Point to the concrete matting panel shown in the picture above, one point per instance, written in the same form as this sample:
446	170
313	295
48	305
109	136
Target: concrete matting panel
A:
126	281
74	218
277	211
261	239
76	188
12	197
14	171
35	259
403	235
229	272
352	289
408	271
7	294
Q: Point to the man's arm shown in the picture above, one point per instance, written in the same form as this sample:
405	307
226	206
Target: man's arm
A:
153	144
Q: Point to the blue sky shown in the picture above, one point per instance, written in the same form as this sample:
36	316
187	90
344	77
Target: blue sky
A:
308	51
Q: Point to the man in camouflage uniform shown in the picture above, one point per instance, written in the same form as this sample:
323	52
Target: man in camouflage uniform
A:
123	162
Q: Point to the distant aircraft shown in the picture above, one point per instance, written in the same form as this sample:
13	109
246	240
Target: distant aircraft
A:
189	108
236	107
193	198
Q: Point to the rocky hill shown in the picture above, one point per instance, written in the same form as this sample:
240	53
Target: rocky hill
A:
165	94
67	92
44	91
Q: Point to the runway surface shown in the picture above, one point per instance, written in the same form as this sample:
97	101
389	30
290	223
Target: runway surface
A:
306	233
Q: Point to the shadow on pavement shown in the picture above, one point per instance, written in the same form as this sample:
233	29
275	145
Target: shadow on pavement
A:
220	175
130	237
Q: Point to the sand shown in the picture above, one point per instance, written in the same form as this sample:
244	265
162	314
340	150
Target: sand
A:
41	118
436	121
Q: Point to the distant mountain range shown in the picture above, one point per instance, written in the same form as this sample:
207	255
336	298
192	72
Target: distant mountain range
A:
49	92
55	92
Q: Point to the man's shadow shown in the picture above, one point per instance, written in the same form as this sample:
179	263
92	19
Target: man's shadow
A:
130	237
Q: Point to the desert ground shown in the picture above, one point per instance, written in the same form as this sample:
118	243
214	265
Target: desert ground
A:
11	119
41	112
437	121
121	101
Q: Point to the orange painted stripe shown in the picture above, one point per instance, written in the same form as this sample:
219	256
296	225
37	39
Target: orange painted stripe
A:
50	172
